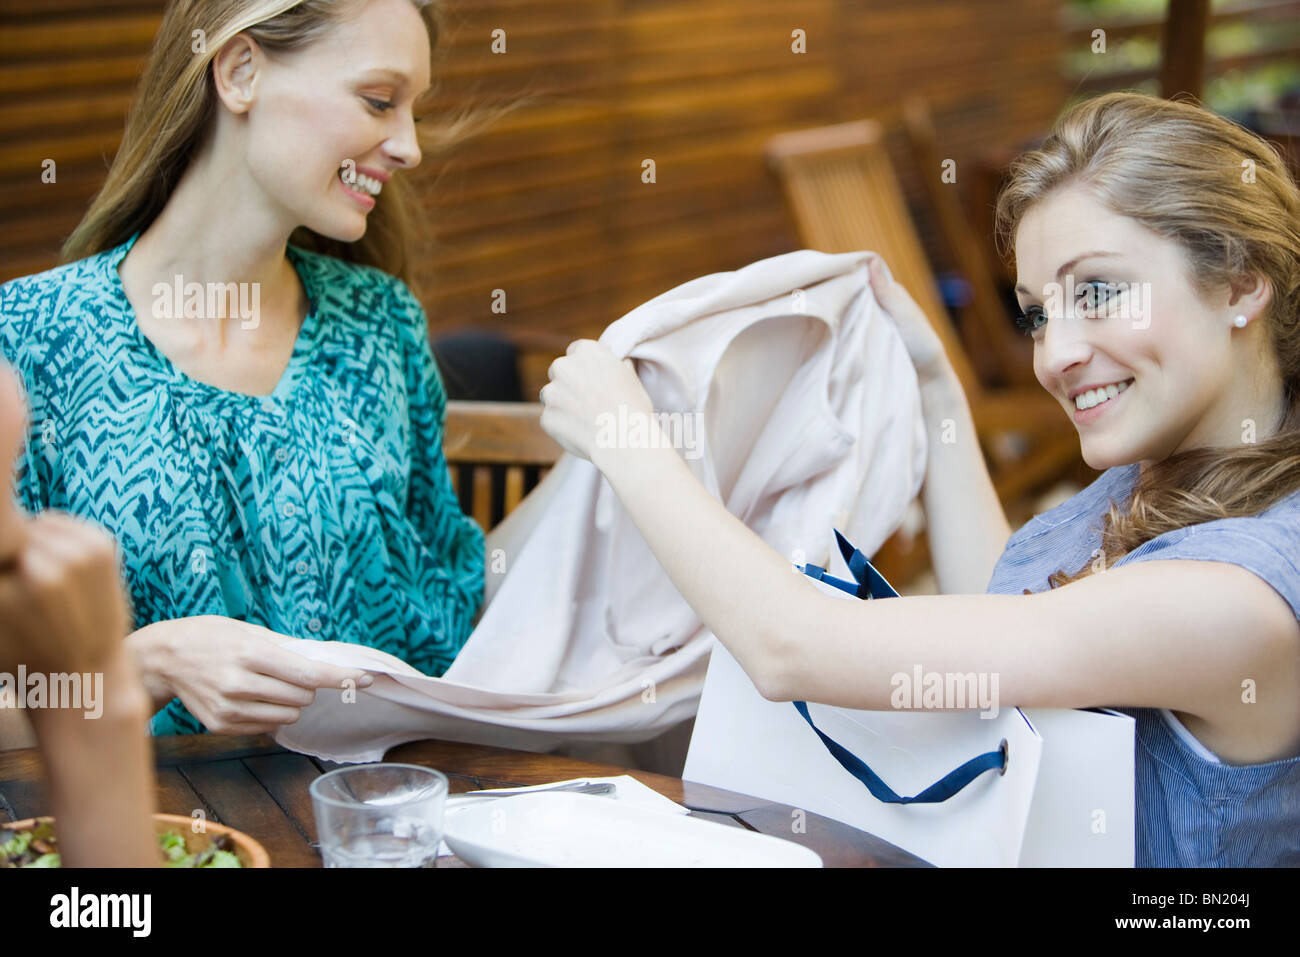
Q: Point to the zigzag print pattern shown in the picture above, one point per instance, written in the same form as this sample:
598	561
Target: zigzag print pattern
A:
324	510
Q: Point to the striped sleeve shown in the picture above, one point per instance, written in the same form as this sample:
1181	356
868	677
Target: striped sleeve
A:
1267	545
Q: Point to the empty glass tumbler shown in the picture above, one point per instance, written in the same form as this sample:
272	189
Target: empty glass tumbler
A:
380	815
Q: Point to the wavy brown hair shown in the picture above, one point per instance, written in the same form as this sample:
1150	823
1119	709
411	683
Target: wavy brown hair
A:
1179	170
175	106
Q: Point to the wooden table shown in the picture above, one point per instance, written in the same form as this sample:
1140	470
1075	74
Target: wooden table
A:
252	784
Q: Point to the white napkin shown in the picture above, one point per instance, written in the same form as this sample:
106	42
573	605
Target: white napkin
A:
627	789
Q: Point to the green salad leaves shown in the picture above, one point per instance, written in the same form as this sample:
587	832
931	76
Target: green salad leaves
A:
38	847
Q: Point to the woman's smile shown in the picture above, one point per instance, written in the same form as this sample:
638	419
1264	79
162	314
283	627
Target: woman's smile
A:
1096	401
363	189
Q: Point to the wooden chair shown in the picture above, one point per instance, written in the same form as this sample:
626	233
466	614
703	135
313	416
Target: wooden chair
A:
989	328
845	197
497	453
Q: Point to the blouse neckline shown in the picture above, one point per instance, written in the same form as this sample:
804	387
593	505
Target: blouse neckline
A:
154	357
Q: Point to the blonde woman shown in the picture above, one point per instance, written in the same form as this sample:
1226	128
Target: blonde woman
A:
1171	585
272	467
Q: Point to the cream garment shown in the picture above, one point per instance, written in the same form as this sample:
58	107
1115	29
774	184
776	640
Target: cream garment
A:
811	420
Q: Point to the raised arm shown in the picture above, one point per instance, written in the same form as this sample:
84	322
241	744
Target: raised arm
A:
966	527
965	524
1181	635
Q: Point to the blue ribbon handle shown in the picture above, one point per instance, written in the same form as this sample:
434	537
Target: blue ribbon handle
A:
870	584
867	582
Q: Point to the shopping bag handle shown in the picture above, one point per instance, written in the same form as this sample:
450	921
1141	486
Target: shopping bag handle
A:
870	584
867	582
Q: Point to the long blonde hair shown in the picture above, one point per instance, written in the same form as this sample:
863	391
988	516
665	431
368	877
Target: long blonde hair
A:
173	109
1227	199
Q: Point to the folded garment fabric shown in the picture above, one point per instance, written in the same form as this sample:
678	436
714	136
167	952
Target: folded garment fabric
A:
789	393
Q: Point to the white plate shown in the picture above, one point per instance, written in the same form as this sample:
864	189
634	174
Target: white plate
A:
585	830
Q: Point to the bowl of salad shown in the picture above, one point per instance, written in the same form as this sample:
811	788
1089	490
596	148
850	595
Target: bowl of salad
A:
34	843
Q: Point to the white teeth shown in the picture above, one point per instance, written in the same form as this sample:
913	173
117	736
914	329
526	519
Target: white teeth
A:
363	183
1086	400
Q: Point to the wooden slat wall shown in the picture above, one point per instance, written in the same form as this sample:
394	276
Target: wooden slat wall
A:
549	205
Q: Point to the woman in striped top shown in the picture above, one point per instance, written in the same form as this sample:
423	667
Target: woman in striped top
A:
231	376
1158	251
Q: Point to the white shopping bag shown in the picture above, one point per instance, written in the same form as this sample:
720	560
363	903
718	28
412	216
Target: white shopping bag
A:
1041	811
1083	813
1067	804
743	742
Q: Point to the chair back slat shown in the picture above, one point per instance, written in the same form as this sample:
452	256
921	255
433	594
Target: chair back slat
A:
993	332
496	453
482	495
514	487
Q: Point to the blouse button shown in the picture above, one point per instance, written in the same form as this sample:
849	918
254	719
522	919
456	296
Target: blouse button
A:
288	510
314	624
301	568
281	454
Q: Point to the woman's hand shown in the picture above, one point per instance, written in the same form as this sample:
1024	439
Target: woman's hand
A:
61	600
234	676
582	401
923	344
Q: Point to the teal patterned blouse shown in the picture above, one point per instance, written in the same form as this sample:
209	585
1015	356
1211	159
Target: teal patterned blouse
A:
323	510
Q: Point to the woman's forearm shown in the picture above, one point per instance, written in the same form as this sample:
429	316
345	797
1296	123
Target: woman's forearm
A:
747	594
100	775
965	523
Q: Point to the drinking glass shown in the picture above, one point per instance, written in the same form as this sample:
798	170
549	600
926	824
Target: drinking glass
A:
380	815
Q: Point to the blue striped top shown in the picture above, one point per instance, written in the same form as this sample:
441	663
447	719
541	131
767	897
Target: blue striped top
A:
323	510
1192	809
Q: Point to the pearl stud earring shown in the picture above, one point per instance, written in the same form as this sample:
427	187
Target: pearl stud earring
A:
1240	322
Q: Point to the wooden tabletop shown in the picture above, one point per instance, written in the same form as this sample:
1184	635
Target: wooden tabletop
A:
252	784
